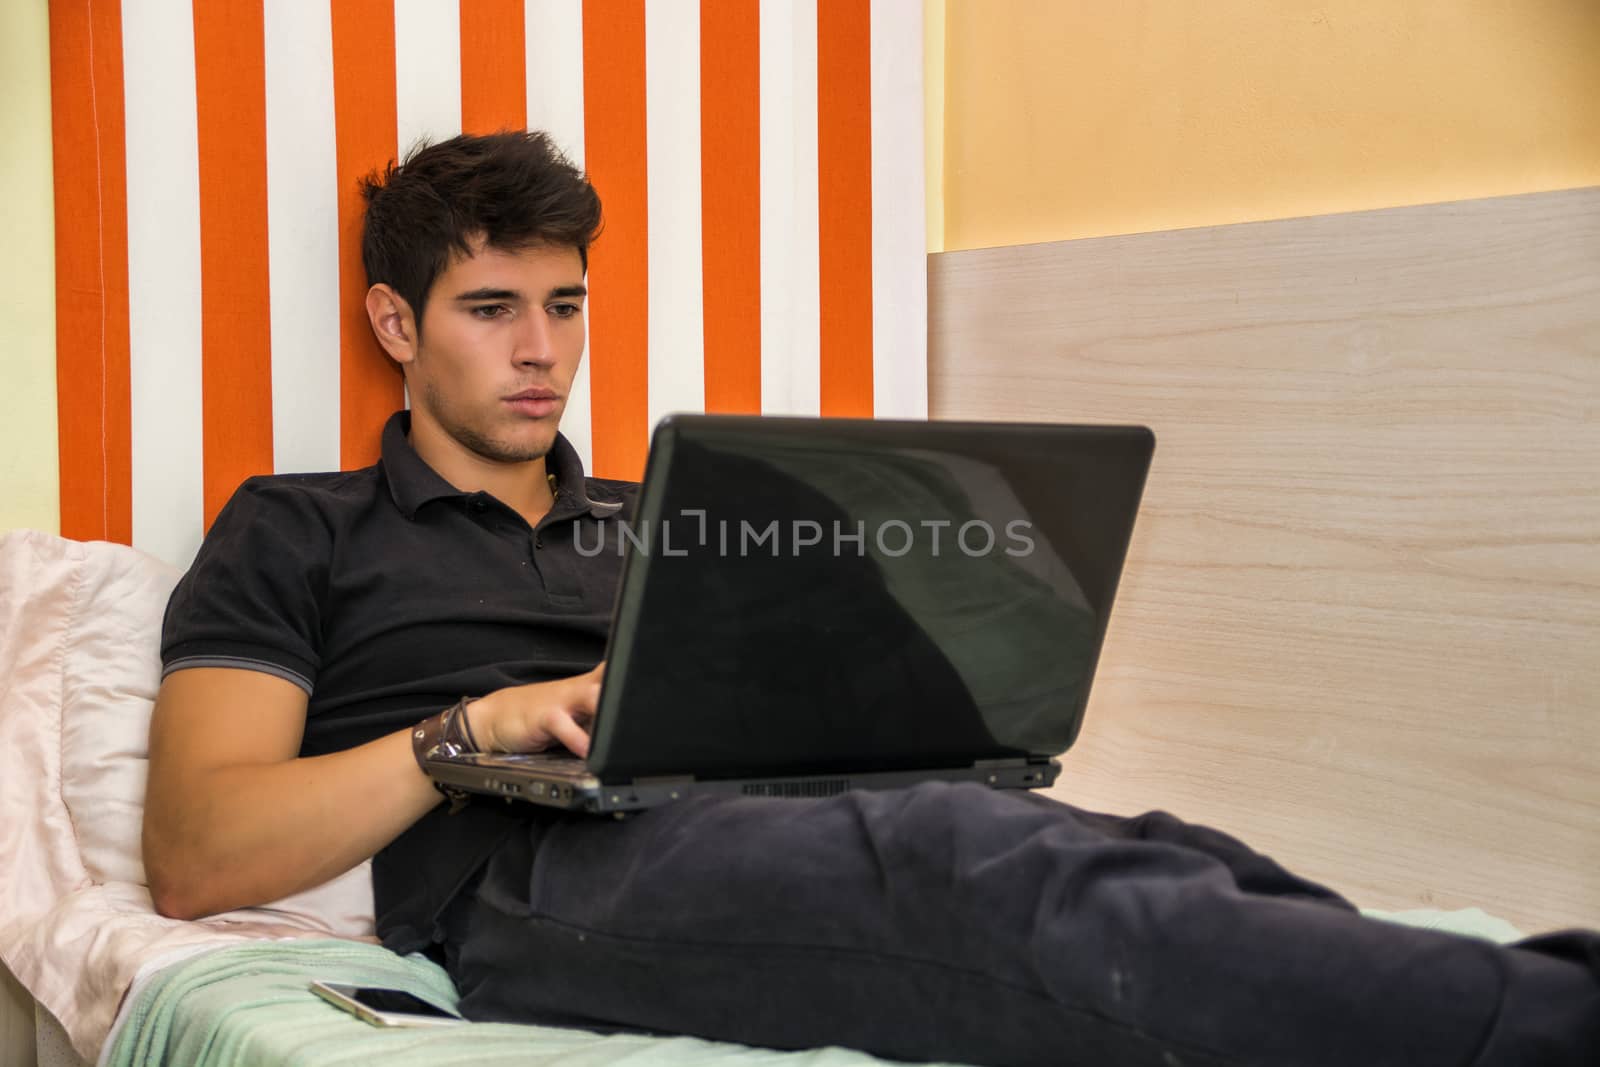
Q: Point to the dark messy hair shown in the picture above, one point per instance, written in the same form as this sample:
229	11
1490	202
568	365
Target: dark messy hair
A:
511	190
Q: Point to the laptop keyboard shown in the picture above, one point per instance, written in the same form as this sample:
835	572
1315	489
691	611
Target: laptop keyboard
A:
539	760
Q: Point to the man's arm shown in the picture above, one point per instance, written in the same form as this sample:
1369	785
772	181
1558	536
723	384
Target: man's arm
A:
235	818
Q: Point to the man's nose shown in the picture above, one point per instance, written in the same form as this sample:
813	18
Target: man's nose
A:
533	342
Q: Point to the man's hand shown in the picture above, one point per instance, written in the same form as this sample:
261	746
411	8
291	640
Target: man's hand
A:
527	718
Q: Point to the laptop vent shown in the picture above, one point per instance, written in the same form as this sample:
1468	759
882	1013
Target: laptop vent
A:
823	788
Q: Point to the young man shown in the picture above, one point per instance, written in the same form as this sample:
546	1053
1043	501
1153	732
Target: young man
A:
333	625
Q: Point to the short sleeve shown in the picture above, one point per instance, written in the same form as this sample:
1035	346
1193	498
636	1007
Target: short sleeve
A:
254	597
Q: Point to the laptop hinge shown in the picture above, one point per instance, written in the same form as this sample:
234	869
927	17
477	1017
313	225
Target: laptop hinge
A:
1009	761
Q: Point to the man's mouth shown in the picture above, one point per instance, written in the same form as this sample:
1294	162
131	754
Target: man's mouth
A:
534	403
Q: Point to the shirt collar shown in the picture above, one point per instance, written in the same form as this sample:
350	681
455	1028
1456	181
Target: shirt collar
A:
412	483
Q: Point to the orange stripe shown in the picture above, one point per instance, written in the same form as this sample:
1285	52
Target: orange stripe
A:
93	406
614	151
230	81
730	197
365	122
844	194
494	77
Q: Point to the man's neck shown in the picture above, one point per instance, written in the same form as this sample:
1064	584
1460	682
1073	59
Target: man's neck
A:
524	487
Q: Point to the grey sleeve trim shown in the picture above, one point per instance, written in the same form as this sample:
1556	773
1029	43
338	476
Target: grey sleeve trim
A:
240	663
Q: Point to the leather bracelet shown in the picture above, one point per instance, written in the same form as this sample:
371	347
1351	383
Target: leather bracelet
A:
445	734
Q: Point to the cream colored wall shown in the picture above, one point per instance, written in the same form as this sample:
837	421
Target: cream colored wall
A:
28	476
1066	120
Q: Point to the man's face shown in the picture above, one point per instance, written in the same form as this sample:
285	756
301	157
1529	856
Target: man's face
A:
500	342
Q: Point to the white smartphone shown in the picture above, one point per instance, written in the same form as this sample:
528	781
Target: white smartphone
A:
384	1007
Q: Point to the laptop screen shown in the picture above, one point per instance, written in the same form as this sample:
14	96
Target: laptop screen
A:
822	596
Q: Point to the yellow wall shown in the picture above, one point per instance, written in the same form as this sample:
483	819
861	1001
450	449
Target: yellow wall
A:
28	480
1070	118
933	50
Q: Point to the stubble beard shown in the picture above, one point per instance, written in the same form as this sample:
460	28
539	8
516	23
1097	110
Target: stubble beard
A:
473	438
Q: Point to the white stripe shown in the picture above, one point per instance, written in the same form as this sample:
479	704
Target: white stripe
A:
575	419
163	175
677	365
427	71
791	345
899	216
553	31
302	236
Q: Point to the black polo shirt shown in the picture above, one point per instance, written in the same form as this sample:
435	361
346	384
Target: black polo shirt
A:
387	594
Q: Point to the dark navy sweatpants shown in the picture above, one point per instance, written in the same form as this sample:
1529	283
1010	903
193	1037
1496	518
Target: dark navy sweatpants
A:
958	923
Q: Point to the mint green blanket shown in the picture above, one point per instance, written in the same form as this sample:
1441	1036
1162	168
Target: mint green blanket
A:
251	1004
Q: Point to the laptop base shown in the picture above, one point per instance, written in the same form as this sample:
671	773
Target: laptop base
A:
564	781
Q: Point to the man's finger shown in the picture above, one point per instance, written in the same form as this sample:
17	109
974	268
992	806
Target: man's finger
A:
589	693
561	726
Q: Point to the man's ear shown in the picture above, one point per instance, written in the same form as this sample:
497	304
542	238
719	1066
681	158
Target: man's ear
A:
392	323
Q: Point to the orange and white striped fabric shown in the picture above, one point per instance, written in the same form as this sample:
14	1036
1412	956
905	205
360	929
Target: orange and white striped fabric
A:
760	163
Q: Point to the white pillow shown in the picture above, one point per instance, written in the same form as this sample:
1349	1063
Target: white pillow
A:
81	624
110	670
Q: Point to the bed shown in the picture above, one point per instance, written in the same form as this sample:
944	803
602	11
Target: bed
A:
113	982
1376	450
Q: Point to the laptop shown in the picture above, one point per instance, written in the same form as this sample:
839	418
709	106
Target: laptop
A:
809	606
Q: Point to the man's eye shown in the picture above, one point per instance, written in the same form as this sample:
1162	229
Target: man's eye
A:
490	311
564	311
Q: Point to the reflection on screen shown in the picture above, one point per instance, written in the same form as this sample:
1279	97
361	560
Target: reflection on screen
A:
810	599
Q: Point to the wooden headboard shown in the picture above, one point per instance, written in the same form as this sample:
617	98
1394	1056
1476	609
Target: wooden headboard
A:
1360	623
